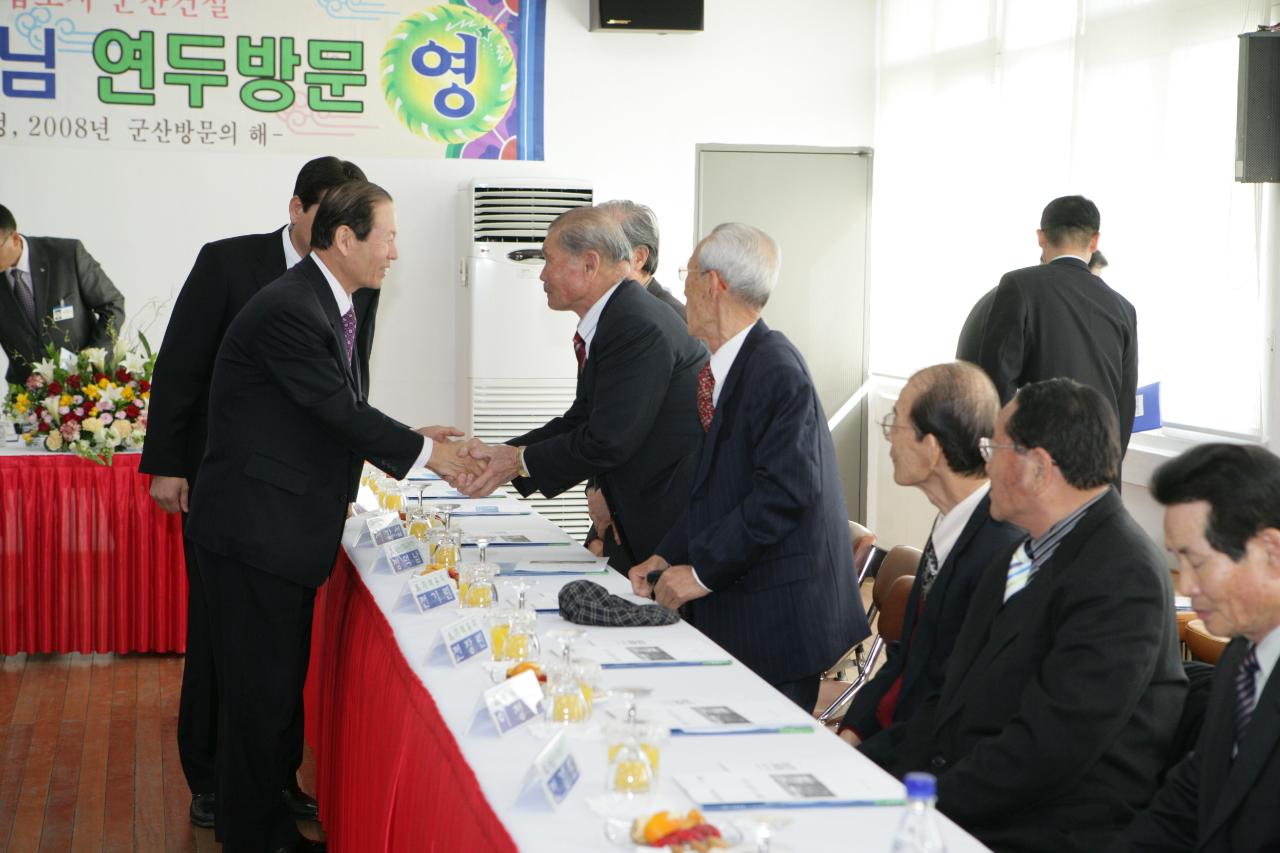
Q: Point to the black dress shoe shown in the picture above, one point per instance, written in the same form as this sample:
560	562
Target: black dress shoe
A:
304	845
301	805
202	810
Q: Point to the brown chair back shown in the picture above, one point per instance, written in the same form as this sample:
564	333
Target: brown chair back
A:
1203	645
894	610
901	560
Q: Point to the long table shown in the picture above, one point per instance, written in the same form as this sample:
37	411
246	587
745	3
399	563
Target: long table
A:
399	766
88	563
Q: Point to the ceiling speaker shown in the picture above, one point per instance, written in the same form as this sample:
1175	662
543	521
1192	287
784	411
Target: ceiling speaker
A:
655	16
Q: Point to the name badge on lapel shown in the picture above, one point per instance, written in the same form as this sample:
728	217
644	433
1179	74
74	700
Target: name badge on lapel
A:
63	312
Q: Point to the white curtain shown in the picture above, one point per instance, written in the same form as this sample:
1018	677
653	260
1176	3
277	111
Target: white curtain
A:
988	109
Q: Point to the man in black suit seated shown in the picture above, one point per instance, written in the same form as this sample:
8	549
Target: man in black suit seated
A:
53	293
760	560
1060	702
633	425
1058	318
933	432
640	226
1222	521
227	273
289	431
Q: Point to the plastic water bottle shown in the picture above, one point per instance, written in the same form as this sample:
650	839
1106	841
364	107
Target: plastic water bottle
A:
918	832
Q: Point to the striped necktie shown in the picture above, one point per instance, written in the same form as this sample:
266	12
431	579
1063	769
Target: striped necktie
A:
579	350
1020	569
1245	699
26	299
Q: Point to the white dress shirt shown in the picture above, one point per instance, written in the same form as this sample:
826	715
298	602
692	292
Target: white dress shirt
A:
591	319
24	264
948	526
291	256
1268	653
343	300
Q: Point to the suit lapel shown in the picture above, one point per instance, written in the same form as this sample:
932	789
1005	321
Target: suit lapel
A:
39	261
330	307
271	262
1256	749
727	398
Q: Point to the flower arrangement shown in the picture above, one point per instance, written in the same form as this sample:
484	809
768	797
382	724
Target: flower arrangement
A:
89	404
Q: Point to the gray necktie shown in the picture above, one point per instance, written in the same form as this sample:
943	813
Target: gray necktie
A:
929	563
26	300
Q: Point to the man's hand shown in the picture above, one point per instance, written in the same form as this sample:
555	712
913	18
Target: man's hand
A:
502	461
601	516
849	737
676	586
440	433
596	546
450	459
640	572
170	493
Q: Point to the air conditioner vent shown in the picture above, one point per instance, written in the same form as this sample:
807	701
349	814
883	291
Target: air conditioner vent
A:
514	214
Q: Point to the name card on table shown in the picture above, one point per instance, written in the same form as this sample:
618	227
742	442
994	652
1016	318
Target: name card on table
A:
403	554
381	528
511	704
430	591
462	640
555	771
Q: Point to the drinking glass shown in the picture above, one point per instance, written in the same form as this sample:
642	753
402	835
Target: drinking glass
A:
566	704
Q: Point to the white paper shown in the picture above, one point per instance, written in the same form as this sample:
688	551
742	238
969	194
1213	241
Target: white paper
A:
787	784
567	566
616	654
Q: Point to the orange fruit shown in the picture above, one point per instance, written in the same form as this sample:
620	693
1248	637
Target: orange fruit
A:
660	825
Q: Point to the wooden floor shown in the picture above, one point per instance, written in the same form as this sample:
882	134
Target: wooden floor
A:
89	756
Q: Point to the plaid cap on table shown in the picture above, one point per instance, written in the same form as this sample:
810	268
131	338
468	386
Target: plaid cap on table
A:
586	603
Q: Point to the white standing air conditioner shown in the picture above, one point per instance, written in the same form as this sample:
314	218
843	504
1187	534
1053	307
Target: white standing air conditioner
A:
516	354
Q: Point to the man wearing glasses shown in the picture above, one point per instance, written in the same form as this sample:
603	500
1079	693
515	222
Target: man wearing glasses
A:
1060	701
933	432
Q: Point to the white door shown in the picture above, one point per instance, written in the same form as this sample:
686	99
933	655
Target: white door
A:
815	203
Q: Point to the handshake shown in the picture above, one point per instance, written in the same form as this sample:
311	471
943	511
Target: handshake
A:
472	467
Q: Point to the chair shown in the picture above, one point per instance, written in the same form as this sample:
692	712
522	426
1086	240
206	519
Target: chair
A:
900	563
1199	687
1203	645
1184	616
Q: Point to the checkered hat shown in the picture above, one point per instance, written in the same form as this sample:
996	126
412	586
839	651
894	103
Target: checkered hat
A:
586	603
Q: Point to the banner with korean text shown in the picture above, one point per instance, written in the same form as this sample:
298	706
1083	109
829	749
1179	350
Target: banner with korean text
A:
434	78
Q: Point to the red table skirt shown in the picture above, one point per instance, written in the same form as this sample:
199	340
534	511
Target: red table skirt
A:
389	774
88	563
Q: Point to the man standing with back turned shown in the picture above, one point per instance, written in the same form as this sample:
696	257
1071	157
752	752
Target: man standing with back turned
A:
227	273
1057	319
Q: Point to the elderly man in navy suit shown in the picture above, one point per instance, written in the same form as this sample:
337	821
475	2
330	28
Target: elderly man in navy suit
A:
760	560
1222	522
933	431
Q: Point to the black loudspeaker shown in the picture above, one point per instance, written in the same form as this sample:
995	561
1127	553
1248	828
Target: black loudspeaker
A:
1258	109
659	16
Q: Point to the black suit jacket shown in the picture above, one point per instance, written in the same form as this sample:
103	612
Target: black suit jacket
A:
1058	709
928	635
633	425
288	434
226	275
766	528
1210	803
666	296
62	273
1051	320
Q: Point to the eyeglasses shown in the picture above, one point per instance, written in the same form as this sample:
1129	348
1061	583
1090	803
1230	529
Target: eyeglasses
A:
988	448
685	272
890	423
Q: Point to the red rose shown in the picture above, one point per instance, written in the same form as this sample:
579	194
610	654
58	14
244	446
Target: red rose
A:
74	380
71	418
144	385
55	388
122	375
43	427
131	411
98	377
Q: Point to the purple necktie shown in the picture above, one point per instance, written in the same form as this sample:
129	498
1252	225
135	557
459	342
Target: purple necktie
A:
349	331
26	301
1245	681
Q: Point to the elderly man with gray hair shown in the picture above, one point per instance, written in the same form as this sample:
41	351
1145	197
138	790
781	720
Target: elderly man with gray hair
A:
640	224
633	425
761	558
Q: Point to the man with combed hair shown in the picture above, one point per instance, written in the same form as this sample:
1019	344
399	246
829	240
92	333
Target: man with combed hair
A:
760	560
226	274
933	432
1061	698
640	224
633	425
1057	319
1222	522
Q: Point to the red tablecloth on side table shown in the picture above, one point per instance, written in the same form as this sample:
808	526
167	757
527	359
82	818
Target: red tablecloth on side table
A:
389	775
87	562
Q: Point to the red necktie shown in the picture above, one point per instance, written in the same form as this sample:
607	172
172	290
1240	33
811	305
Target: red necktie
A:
579	350
706	385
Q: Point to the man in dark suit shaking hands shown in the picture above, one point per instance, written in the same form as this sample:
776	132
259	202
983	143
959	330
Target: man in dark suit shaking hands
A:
633	426
1058	318
1222	522
761	558
52	291
289	430
933	432
1060	701
227	273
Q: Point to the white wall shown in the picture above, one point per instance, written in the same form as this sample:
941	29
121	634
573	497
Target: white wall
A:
623	110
